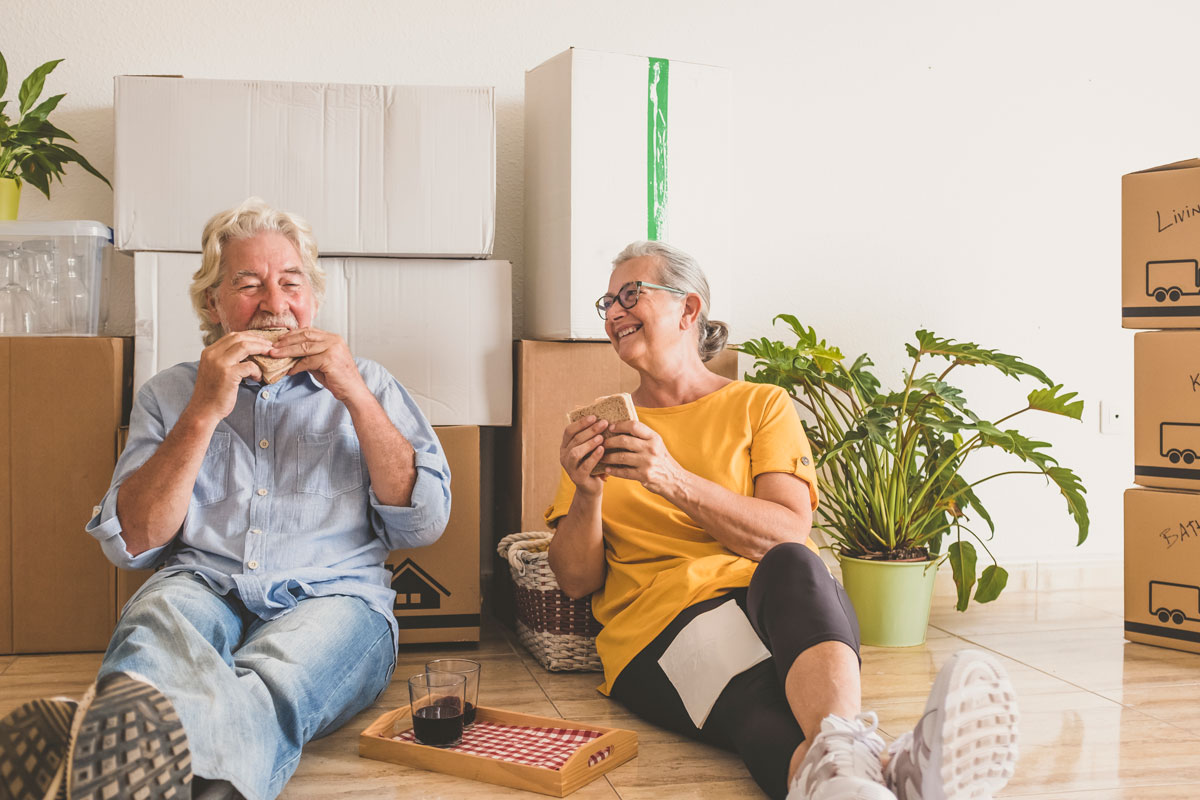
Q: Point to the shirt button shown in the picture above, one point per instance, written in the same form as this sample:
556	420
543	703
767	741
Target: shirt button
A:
253	565
256	530
804	460
262	492
264	444
265	394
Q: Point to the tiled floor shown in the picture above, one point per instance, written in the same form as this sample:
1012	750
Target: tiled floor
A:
1101	718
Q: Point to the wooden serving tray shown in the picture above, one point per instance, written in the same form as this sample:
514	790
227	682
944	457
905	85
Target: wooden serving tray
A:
376	742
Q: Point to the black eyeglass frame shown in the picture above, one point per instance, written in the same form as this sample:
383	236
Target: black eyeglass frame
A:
606	300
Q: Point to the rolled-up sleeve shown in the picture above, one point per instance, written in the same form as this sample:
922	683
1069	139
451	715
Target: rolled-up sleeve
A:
422	521
146	433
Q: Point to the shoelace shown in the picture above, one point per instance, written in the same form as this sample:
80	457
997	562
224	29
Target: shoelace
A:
850	747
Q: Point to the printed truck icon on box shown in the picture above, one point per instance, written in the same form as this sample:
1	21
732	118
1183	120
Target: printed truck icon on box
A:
1174	602
1170	280
1179	441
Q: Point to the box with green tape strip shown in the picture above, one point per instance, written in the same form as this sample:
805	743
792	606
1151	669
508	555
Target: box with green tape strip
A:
620	148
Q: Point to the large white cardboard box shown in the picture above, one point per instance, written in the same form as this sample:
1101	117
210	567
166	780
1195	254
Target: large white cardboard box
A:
443	328
620	148
376	170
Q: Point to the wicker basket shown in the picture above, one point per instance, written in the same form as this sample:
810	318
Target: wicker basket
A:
558	631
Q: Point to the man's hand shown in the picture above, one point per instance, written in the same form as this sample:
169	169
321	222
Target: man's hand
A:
223	365
326	356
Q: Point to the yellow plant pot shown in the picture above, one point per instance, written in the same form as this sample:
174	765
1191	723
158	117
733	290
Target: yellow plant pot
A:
891	598
10	198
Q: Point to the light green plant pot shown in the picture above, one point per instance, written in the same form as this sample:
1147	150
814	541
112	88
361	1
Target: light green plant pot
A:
891	598
10	198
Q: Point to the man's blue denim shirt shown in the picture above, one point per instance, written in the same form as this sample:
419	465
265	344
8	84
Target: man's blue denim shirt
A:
283	508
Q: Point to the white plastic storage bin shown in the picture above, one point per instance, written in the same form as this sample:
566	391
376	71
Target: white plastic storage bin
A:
50	277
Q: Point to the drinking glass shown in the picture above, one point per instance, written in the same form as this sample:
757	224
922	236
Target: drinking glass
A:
437	707
17	317
73	293
469	670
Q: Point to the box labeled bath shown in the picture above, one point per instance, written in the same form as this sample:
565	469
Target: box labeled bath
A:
1162	568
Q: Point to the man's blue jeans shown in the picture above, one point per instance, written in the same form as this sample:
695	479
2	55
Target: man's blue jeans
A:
251	693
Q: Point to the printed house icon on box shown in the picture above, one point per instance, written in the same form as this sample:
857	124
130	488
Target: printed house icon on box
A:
416	589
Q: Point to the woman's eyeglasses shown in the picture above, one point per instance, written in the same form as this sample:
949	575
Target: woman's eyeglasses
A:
628	296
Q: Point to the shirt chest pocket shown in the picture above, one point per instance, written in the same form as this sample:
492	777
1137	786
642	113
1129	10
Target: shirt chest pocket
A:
330	464
212	484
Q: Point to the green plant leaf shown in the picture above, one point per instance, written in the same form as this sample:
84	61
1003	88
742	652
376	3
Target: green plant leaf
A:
1072	489
962	563
1051	401
73	155
971	354
43	110
31	87
992	581
3	76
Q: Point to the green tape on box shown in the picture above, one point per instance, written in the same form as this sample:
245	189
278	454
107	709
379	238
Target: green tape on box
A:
656	150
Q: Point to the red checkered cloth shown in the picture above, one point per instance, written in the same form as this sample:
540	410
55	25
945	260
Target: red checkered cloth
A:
535	747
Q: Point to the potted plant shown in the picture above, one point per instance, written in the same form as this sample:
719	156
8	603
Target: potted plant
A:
29	151
894	489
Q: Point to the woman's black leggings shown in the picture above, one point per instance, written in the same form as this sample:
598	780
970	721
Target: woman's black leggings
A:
793	603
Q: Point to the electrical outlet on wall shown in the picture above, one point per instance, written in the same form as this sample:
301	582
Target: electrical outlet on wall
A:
1113	418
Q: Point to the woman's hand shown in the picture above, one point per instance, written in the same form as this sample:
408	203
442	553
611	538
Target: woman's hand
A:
580	452
639	454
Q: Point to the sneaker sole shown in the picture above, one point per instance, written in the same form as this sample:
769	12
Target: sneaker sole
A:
130	745
33	750
978	723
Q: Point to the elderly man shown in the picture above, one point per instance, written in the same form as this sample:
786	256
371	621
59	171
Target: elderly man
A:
271	509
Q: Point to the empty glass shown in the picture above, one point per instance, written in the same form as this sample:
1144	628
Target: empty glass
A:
17	309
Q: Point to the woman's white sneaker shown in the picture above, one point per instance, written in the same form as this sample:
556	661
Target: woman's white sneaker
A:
843	762
965	745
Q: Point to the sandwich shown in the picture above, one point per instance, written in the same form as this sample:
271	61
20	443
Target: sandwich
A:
613	408
272	368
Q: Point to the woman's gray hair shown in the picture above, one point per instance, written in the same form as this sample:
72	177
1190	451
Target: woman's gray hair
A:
679	270
250	218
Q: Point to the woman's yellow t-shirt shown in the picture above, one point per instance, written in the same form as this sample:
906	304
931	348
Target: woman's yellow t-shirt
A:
659	561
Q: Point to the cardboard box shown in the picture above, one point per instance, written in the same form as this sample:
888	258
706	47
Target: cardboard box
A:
553	378
443	328
66	398
6	617
1162	568
620	148
437	587
1160	247
376	170
1166	415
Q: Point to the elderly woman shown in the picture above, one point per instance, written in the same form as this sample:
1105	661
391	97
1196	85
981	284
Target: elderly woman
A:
689	528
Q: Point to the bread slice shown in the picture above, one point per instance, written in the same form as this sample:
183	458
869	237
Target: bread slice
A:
612	407
272	368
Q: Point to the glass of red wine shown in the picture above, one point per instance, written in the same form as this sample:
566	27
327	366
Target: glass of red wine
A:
469	670
437	703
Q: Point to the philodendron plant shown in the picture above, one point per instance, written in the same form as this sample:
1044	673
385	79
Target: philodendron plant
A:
891	462
32	149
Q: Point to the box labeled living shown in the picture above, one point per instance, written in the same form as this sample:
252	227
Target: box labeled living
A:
443	328
1166	415
620	148
437	587
1160	247
1162	568
64	400
376	170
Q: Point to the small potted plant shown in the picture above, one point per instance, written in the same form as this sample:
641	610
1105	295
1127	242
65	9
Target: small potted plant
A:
891	463
32	149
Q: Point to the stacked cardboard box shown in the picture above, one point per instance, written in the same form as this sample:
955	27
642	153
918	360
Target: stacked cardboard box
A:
399	185
1161	289
617	148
